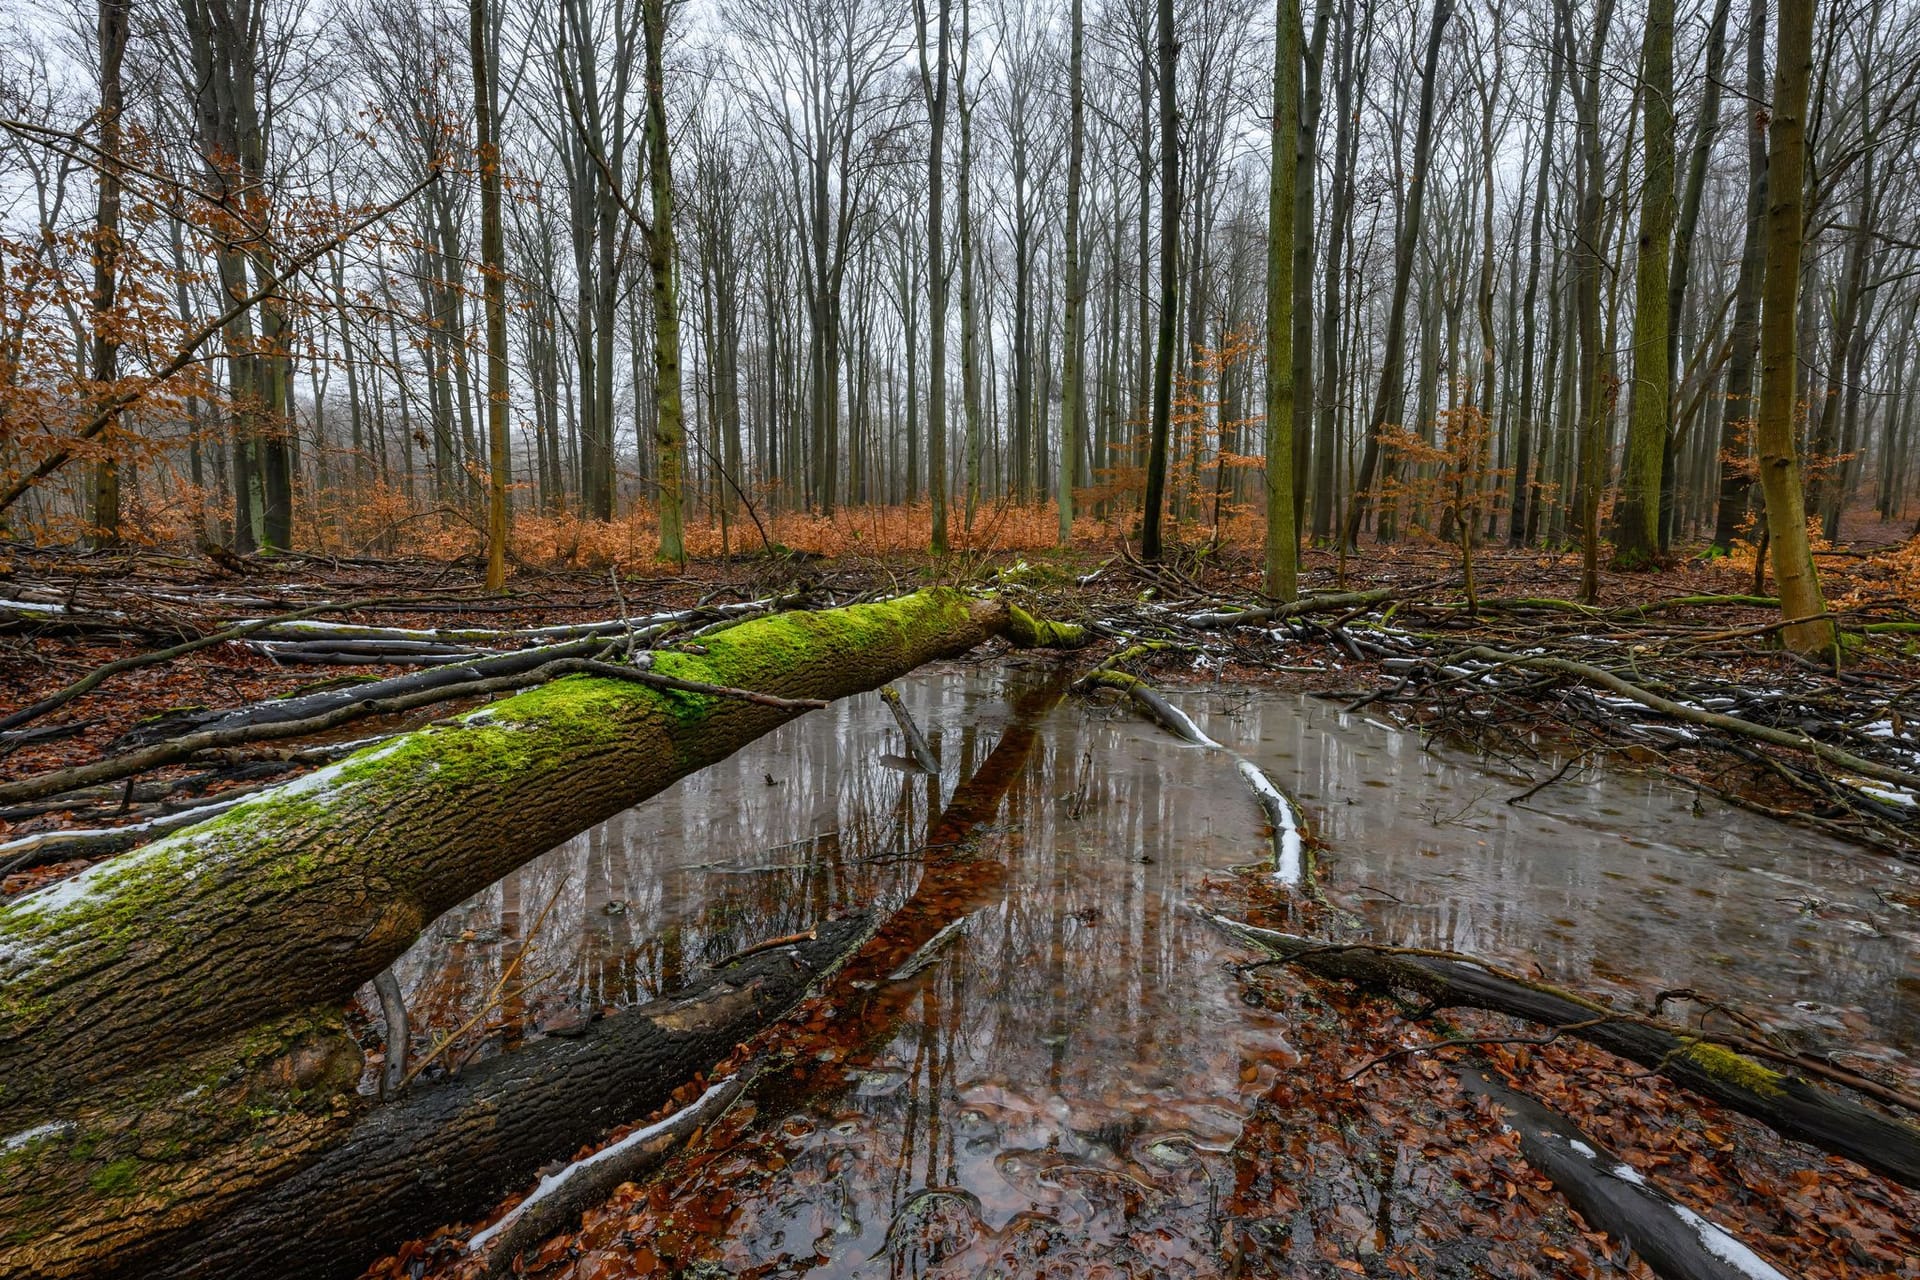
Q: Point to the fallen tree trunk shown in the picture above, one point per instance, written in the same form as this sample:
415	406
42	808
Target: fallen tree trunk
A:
1787	1103
453	1150
301	894
321	1185
1677	1243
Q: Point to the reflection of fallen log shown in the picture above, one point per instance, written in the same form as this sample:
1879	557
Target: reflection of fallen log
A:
1786	1102
1610	1194
170	1021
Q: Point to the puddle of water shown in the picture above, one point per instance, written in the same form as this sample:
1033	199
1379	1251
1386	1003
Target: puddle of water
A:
1611	882
1066	1080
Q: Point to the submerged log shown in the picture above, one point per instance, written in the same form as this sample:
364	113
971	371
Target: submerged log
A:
1785	1102
171	1037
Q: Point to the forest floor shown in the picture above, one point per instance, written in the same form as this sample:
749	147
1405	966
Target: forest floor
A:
1695	635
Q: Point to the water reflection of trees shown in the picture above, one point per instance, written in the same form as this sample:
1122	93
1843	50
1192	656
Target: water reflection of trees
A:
1612	882
1083	1019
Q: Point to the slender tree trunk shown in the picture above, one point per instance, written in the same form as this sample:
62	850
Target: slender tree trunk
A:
1706	131
1169	56
1074	382
1737	406
1650	406
1305	174
936	94
493	267
112	17
669	422
1392	371
1801	602
1326	447
1519	532
1283	545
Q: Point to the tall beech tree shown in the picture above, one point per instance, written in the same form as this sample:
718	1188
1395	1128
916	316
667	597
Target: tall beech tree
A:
1283	542
1802	606
1169	298
1390	391
1637	535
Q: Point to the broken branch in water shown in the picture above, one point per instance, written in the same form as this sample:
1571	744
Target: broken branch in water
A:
562	1197
916	742
1291	865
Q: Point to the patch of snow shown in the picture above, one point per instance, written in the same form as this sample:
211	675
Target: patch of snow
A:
1727	1249
1627	1173
1882	791
16	1141
31	606
1583	1148
554	1181
323	779
57	897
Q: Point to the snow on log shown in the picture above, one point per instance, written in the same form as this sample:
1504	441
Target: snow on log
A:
1676	1242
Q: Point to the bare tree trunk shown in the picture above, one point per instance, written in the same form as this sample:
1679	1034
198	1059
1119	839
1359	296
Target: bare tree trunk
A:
1706	131
1737	407
1801	602
1073	389
493	266
1637	522
669	425
1326	449
1169	301
1283	544
935	90
1392	371
1520	531
105	357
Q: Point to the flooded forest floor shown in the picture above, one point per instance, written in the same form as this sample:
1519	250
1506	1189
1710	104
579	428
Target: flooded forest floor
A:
1048	1063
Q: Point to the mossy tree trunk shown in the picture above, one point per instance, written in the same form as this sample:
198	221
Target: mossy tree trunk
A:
183	1003
1637	538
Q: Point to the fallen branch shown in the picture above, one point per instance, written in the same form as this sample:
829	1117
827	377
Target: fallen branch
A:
1276	613
93	679
1695	715
1290	865
562	1197
1787	1103
917	747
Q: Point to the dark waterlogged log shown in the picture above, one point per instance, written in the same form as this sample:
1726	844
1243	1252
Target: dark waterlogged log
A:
1785	1102
455	1149
1677	1243
171	1037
